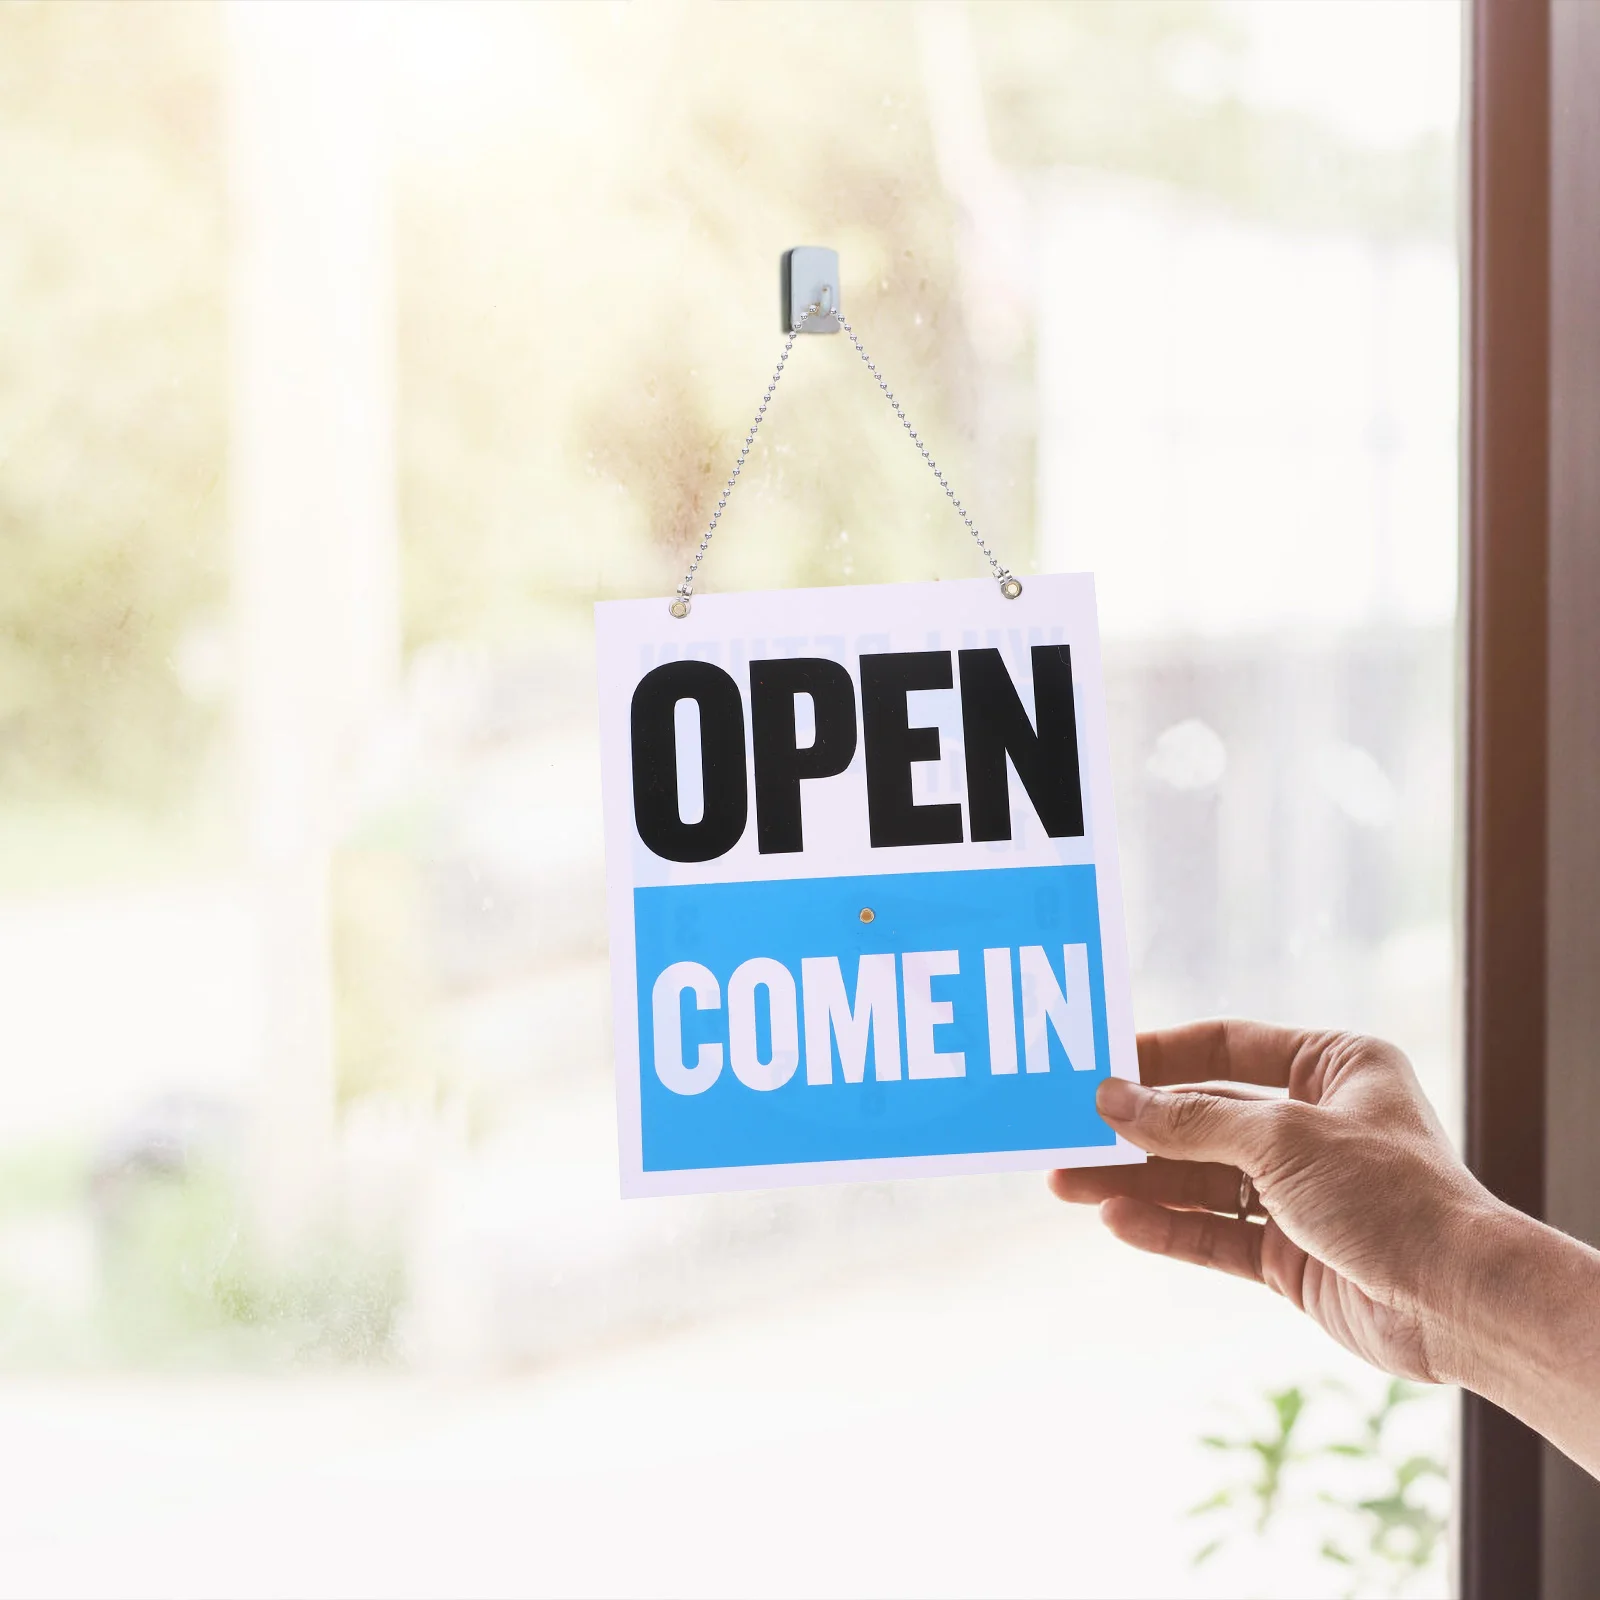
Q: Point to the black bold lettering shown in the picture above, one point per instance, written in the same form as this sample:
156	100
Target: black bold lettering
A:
780	764
656	811
893	746
1044	752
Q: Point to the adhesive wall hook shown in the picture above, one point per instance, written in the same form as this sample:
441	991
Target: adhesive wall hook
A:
809	281
809	289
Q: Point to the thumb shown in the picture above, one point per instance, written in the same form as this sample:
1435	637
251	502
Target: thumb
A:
1190	1126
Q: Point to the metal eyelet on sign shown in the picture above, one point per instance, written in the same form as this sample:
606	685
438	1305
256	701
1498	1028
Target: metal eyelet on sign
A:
1011	588
868	914
679	608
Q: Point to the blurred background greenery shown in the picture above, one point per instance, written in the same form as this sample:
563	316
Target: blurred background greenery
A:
584	209
520	258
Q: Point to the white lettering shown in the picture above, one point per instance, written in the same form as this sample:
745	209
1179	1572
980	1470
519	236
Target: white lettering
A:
763	973
829	1014
1044	1006
833	1019
666	1000
924	1013
1002	1011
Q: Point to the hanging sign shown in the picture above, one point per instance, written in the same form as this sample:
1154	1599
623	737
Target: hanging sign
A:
865	912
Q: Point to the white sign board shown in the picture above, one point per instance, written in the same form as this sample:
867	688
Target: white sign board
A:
861	858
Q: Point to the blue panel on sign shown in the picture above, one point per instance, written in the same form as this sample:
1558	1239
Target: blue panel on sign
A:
777	1026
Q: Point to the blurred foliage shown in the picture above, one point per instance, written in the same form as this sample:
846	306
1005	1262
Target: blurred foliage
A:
590	202
1377	1522
173	1273
381	974
111	393
1156	89
574	394
580	364
41	1177
184	1279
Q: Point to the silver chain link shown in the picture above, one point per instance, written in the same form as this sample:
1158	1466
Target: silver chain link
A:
680	606
1001	573
1010	586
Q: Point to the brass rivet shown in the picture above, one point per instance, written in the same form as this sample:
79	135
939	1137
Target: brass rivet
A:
1011	588
867	913
679	608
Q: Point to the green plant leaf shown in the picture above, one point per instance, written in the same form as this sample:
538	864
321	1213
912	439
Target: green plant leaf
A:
1288	1403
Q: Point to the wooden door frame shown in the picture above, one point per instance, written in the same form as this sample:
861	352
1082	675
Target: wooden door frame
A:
1530	1520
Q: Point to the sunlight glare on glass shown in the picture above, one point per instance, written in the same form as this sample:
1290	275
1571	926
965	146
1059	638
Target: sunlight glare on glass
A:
1383	74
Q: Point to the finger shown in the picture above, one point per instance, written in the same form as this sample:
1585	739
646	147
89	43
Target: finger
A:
1191	1125
1227	1090
1194	1236
1183	1185
1244	1052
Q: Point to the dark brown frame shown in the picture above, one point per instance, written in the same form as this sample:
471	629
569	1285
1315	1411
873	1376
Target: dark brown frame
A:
1530	1520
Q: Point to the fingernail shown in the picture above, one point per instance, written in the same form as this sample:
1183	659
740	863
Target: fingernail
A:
1117	1100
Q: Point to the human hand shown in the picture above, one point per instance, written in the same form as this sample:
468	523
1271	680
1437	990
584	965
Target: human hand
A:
1371	1219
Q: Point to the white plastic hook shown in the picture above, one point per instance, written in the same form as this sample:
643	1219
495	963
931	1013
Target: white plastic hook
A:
809	277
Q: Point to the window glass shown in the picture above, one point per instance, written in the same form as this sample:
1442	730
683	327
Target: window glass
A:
352	353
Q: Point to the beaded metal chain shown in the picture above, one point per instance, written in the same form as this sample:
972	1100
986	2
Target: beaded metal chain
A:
1010	585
